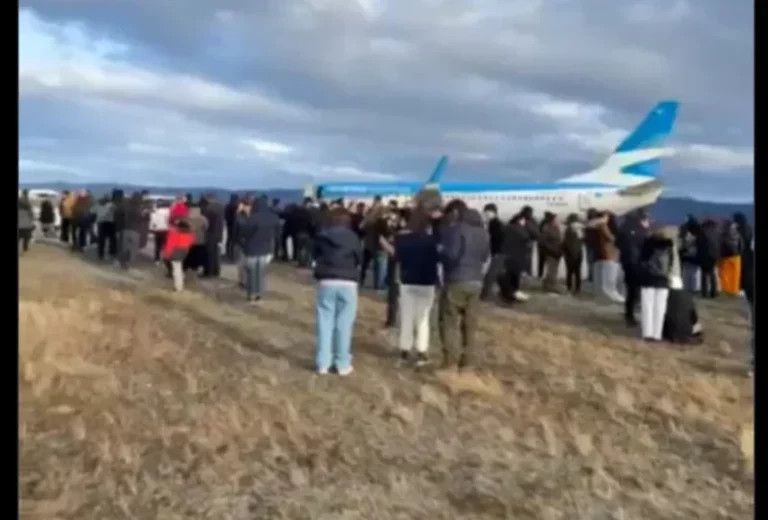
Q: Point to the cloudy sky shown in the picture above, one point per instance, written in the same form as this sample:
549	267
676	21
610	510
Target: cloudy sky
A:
282	93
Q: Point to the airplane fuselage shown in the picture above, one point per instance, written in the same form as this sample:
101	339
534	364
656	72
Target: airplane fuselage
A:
561	199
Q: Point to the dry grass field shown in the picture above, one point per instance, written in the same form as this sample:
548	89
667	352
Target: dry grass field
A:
138	403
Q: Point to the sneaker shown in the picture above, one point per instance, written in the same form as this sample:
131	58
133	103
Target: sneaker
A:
345	371
421	359
520	296
404	356
322	371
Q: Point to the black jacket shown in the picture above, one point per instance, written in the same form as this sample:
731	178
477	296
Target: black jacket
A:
551	241
230	213
630	242
514	246
47	213
708	245
651	246
573	243
257	232
133	215
495	234
416	254
337	254
214	213
730	243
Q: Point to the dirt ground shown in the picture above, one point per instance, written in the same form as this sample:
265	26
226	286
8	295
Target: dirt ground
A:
139	403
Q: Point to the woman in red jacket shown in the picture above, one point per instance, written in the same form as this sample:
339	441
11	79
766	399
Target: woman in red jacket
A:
178	210
180	239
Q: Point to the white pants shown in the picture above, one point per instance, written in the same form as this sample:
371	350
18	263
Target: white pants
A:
415	306
177	273
653	308
606	280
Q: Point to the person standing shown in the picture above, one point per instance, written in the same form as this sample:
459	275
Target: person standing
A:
175	248
159	222
131	234
551	248
632	236
337	257
659	272
230	215
47	217
198	225
496	238
747	235
415	253
214	214
375	227
65	210
513	248
257	233
729	265
26	221
464	250
708	253
105	228
573	253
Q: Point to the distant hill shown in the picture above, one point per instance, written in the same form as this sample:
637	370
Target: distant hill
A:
669	210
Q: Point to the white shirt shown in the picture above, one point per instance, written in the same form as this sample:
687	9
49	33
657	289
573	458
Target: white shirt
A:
158	220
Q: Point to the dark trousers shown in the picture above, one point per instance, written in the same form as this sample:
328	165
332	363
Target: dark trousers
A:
66	225
708	281
495	269
279	252
229	247
378	266
527	267
542	263
106	239
393	294
632	296
302	251
160	238
81	236
24	237
458	318
196	257
509	281
590	263
212	267
129	247
573	274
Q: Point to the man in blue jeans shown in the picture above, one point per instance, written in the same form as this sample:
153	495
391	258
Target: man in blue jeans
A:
258	231
338	256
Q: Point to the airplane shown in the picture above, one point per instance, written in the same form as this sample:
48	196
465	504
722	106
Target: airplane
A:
627	180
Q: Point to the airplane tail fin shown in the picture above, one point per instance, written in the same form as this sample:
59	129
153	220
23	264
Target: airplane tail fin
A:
429	197
638	158
437	173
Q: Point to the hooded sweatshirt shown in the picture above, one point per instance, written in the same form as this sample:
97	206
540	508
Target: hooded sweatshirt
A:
661	244
337	254
198	225
465	249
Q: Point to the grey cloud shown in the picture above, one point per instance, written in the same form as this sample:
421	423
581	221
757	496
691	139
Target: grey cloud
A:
395	88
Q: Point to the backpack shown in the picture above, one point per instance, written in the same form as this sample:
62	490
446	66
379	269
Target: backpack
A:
659	264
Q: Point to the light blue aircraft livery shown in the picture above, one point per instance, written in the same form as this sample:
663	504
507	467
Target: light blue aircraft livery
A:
627	180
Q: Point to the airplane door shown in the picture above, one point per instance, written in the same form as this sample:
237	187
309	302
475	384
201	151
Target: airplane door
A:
585	201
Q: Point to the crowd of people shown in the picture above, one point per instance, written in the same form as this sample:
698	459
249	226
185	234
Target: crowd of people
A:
428	254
